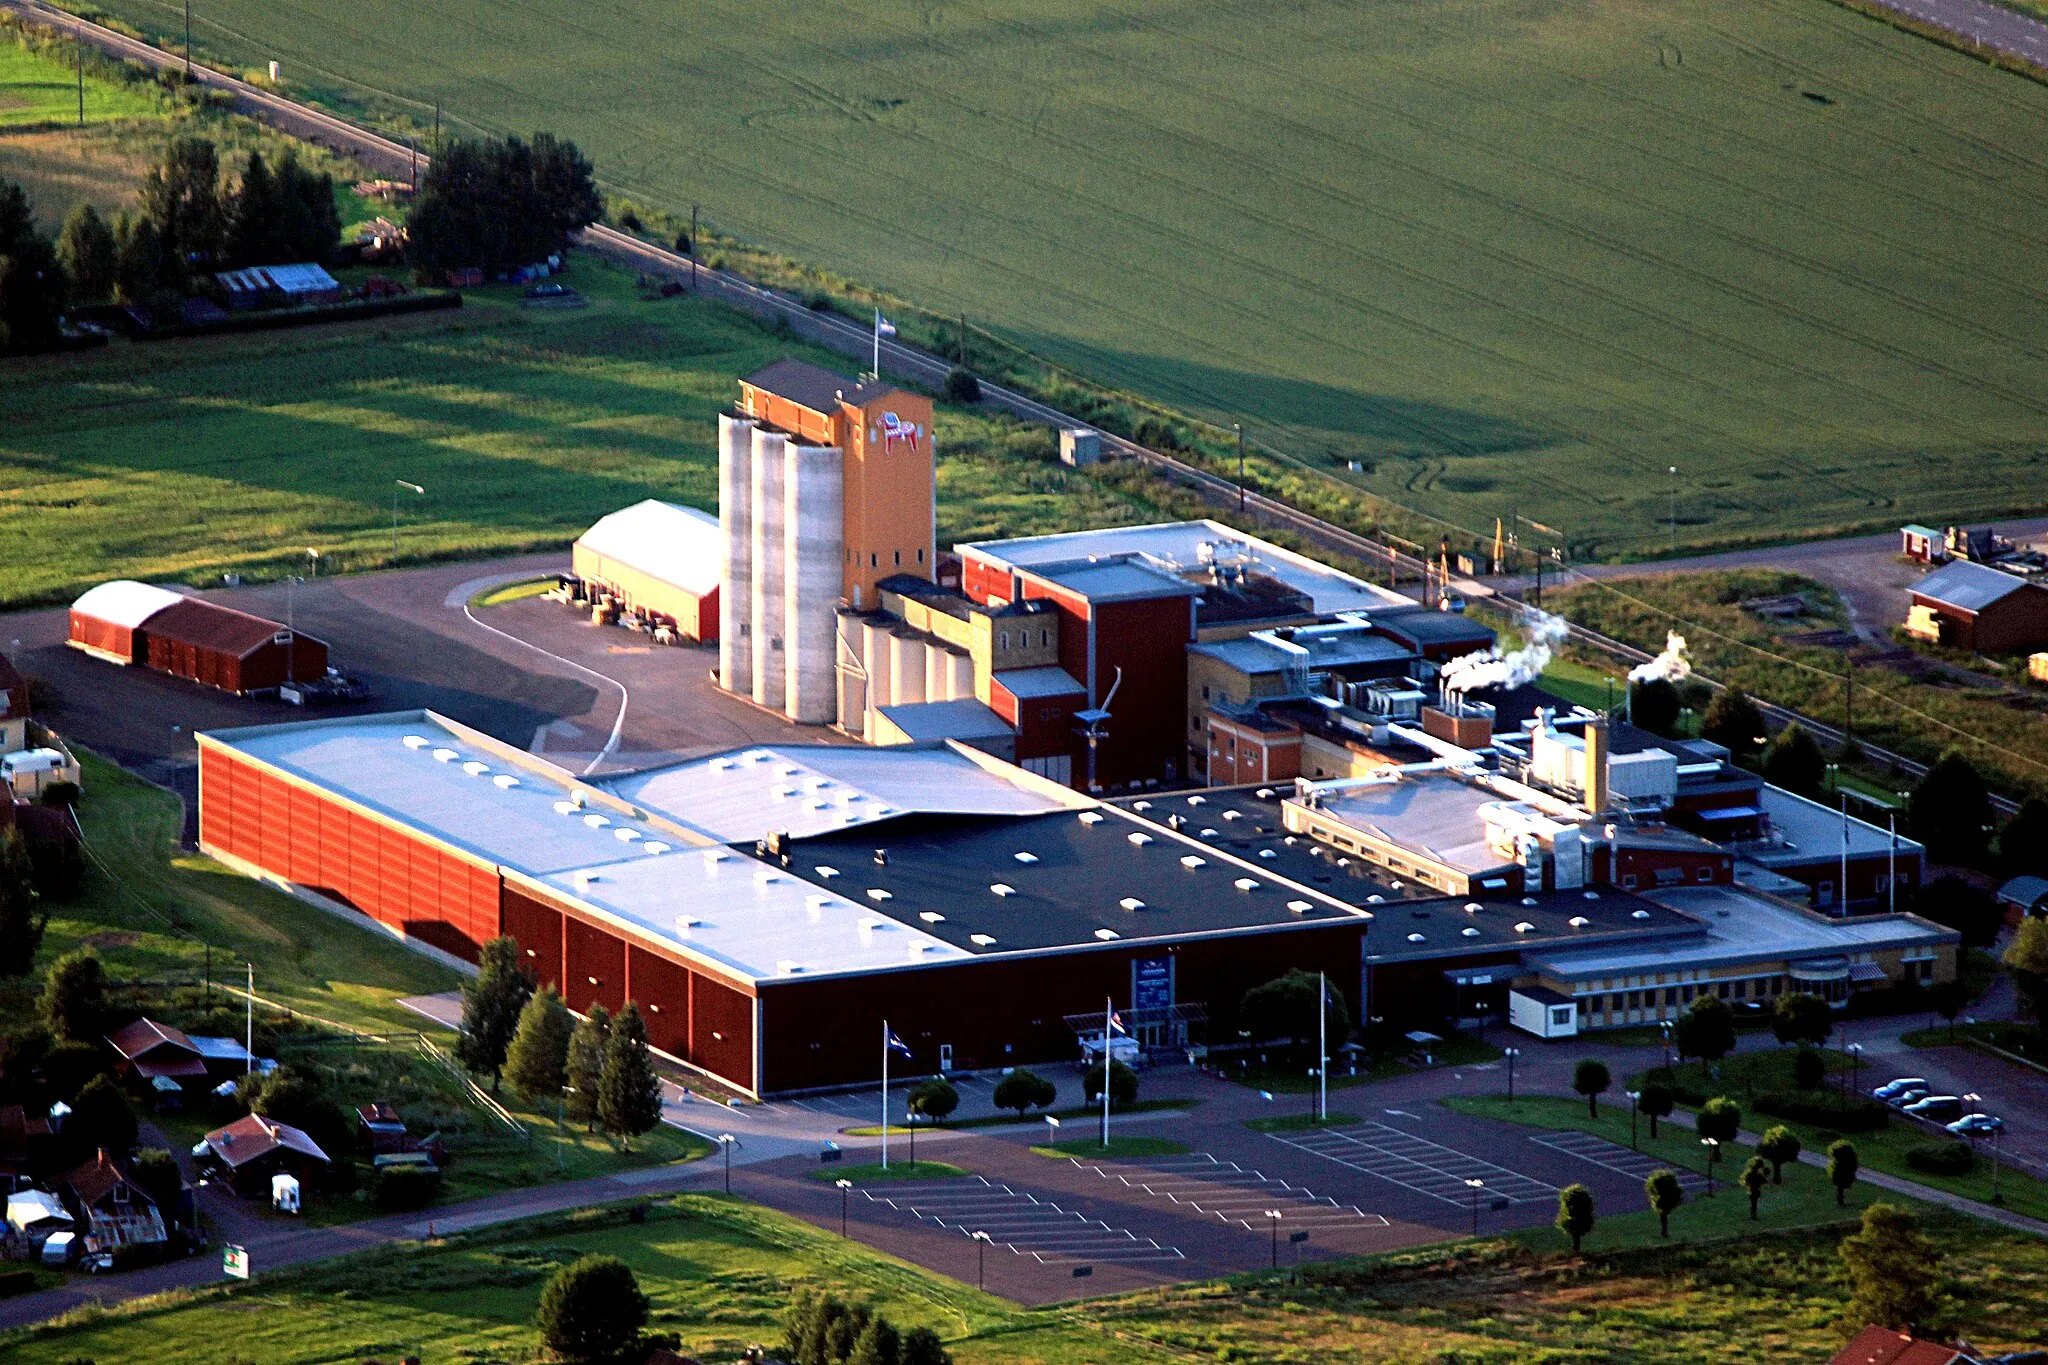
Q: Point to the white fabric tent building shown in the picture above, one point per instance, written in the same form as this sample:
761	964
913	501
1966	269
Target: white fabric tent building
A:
660	559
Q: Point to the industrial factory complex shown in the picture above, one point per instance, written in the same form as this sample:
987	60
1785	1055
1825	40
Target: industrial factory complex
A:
1159	765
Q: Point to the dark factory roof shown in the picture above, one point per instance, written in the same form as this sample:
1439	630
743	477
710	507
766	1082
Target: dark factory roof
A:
1247	824
802	383
1422	627
209	625
1073	879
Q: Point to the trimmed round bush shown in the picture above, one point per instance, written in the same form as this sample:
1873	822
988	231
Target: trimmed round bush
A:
406	1187
1942	1158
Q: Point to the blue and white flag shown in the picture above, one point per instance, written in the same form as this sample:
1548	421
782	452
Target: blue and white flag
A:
895	1044
1116	1023
883	327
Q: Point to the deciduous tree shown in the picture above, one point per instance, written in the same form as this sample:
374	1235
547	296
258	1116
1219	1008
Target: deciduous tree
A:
934	1099
1842	1166
1285	1008
1656	1100
1793	761
591	1310
1971	912
1801	1018
1706	1029
1023	1090
1665	1195
1756	1174
1734	722
1893	1269
1575	1213
1123	1085
1950	811
1591	1079
74	1000
22	918
87	249
2027	957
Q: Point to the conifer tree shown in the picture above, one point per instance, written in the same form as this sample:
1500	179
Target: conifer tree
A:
586	1063
628	1091
538	1060
490	1008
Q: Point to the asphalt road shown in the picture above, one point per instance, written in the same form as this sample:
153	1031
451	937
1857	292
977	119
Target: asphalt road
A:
1986	24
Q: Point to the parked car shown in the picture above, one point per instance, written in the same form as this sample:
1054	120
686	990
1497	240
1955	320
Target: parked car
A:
1905	1097
1940	1108
1971	1124
1891	1090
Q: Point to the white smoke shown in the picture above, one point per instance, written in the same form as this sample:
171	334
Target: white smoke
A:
1670	666
1491	668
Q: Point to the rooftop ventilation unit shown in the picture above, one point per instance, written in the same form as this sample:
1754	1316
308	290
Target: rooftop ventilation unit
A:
685	923
1470	931
782	793
1375	900
504	782
415	741
1301	907
1245	884
785	967
918	950
583	881
445	755
1592	895
1528	900
1267	853
881	857
1264	793
1525	928
713	857
931	917
651	846
983	940
1003	889
1472	907
1091	817
1415	938
1026	857
1640	914
1233	815
1578	921
475	769
626	836
1197	800
1139	838
786	770
1131	903
1107	934
828	873
719	765
876	893
597	821
1192	861
1210	831
765	876
1141	805
565	807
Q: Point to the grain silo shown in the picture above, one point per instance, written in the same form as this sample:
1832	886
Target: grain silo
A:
735	525
812	498
769	553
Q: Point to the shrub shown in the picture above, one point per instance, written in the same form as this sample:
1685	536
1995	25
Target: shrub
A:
1022	1090
1123	1085
1808	1069
1824	1108
1942	1158
400	1188
962	386
591	1310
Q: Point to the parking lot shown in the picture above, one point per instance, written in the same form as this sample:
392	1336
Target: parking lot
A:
531	673
1020	1222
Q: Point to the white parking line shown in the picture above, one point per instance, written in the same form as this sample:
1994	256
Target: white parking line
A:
1020	1221
1201	1184
1615	1157
1415	1162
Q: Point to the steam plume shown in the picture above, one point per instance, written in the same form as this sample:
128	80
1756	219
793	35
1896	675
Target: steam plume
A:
1491	668
1670	666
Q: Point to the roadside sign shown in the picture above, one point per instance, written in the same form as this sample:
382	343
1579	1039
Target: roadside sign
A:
234	1261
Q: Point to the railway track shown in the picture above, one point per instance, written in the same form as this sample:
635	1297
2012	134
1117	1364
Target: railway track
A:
395	158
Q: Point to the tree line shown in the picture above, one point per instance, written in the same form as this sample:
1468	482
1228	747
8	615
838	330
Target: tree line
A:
194	218
497	205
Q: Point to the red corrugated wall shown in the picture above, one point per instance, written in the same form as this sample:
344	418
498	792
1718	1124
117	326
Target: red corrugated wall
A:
399	879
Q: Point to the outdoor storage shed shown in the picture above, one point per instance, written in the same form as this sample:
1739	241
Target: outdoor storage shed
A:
228	649
106	619
662	559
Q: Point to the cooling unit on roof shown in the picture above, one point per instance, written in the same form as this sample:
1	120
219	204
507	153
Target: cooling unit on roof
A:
416	741
1267	853
1003	889
565	807
1264	793
1141	805
1131	903
1301	907
984	940
1025	857
1470	931
445	755
1107	934
828	873
504	782
1233	815
1209	832
1140	839
931	917
1375	900
597	821
625	836
876	893
1197	800
1091	817
1525	928
1578	921
1640	914
1471	907
475	769
1192	861
1415	938
1528	900
652	847
1592	895
1245	884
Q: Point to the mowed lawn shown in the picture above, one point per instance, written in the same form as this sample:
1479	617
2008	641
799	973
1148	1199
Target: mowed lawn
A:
39	91
1508	254
719	1274
187	459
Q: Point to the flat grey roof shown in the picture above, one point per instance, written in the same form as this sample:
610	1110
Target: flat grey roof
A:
1181	547
1328	649
1967	585
1810	831
1432	813
1743	927
931	721
1116	580
806	385
1045	681
807	790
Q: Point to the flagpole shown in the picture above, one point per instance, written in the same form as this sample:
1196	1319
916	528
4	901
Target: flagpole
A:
1891	867
885	1094
1108	1009
1322	1048
878	343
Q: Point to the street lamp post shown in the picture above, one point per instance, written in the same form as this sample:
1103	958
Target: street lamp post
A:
1237	427
1664	1027
1633	1097
981	1241
1475	1184
1511	1053
314	555
396	485
845	1190
1674	509
1855	1051
1273	1218
728	1142
1713	1146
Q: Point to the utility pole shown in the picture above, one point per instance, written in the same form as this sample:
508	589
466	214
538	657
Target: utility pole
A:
397	484
1848	698
694	250
1238	427
188	42
437	125
1674	509
963	338
412	145
81	85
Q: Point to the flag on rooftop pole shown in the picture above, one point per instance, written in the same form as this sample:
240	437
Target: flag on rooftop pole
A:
883	328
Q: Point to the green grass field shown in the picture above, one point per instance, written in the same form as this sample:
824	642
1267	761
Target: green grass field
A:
187	459
1505	253
720	1273
36	91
